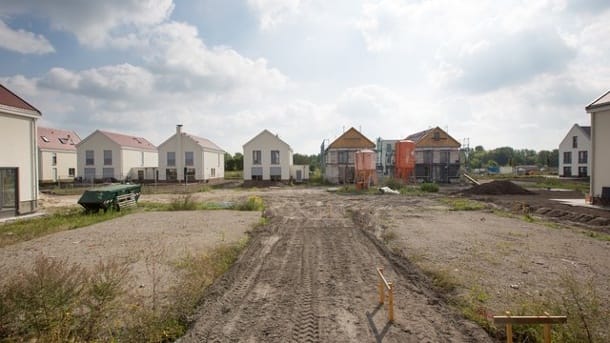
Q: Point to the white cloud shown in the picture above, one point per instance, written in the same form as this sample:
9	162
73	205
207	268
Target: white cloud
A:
273	12
93	22
23	41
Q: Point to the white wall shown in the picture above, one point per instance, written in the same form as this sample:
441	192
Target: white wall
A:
266	142
134	160
18	149
65	161
203	159
584	144
600	129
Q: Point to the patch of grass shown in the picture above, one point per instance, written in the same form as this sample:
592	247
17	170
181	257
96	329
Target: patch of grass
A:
234	174
461	204
442	280
575	185
61	220
411	190
395	184
429	187
254	203
182	203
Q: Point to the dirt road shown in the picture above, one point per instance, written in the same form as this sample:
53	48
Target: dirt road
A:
309	276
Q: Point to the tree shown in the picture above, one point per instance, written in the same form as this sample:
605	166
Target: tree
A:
229	162
239	161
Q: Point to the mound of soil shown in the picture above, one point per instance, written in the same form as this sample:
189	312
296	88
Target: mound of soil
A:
497	188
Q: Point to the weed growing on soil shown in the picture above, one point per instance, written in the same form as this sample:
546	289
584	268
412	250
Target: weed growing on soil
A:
183	203
461	204
65	219
59	302
254	203
429	187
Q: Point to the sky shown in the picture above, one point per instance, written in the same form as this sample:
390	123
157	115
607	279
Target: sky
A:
491	73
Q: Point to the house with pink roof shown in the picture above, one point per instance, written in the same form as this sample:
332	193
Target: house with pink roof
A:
187	156
56	154
18	157
110	156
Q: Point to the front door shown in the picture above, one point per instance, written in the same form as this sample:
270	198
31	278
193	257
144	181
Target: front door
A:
8	192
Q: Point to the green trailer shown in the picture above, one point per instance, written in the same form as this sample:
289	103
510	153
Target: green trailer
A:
110	197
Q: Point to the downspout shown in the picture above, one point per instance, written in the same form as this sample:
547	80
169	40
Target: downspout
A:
34	173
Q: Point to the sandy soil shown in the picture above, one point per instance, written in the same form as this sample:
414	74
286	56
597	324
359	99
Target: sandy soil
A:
144	240
309	276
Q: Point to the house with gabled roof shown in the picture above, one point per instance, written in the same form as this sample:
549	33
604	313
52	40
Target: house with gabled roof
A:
267	158
109	156
340	156
437	156
574	152
18	155
56	154
600	154
197	158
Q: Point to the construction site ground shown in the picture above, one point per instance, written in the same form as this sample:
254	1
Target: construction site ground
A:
309	274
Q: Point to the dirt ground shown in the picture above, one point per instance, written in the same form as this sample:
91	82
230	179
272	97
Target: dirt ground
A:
309	275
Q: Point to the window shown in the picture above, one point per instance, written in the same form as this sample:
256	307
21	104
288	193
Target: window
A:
189	159
445	156
574	141
437	136
71	172
213	172
583	156
45	139
171	174
190	174
89	160
567	157
275	157
108	173
54	159
171	159
256	157
275	177
567	171
582	171
64	140
428	156
107	157
89	174
343	156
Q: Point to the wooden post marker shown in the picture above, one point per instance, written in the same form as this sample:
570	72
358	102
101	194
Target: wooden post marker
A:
545	320
383	285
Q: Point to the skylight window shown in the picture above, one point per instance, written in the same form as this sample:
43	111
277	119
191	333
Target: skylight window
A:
63	140
45	139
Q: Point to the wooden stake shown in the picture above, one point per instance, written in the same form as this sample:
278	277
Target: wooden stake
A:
381	290
547	333
391	302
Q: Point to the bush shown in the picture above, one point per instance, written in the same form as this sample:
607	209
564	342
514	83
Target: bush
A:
429	187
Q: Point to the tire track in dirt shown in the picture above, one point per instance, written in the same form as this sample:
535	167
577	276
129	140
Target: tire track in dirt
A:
309	276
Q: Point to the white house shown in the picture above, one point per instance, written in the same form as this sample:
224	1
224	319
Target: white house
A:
56	154
600	154
200	157
113	156
574	152
18	157
267	157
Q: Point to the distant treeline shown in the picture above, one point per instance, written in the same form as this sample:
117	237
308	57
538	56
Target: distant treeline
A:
507	156
236	162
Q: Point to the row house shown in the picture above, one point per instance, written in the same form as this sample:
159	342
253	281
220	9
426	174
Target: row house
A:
111	156
574	152
437	156
600	155
269	158
185	156
56	154
18	155
339	156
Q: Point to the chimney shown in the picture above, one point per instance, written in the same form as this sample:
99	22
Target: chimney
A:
179	129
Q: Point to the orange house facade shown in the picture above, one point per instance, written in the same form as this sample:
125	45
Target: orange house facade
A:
437	156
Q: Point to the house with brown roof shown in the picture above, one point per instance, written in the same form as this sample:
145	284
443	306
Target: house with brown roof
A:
110	156
574	152
339	157
437	156
184	154
18	156
56	154
600	155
